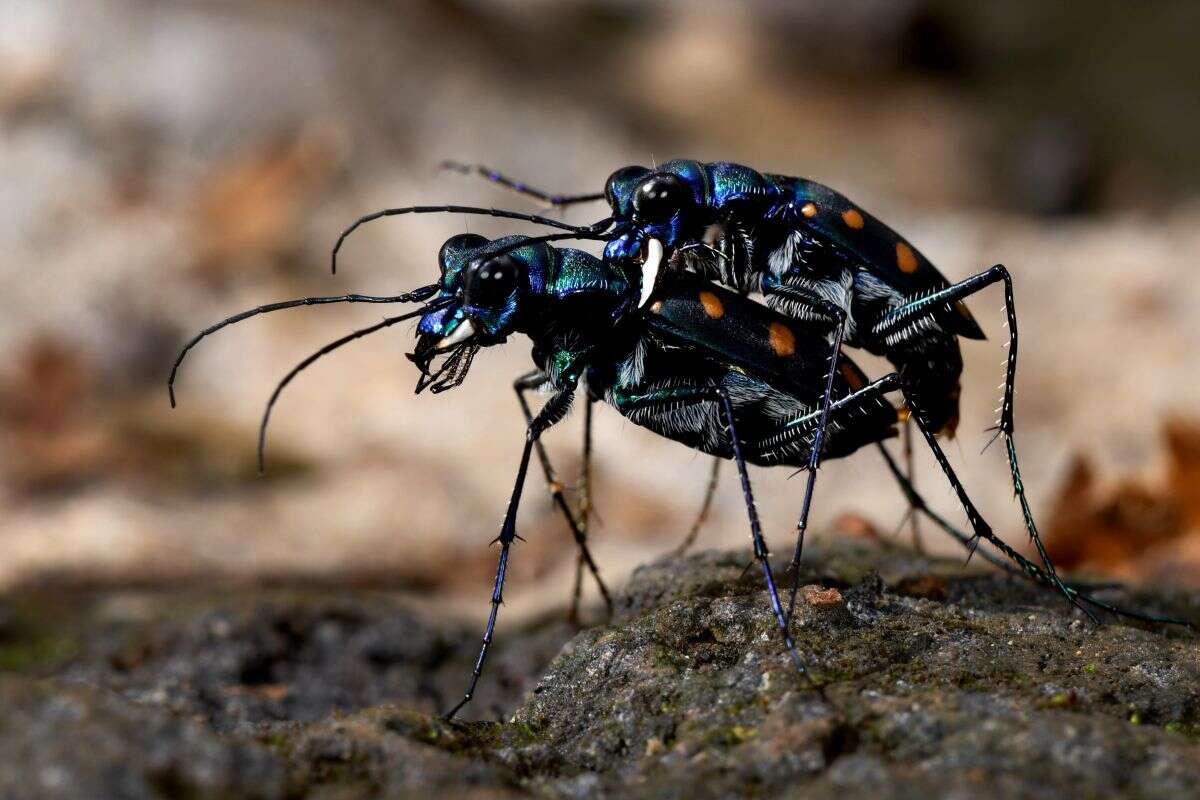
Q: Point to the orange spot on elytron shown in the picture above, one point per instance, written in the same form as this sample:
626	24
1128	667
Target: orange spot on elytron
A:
906	259
712	305
903	414
809	210
853	219
783	341
656	306
852	377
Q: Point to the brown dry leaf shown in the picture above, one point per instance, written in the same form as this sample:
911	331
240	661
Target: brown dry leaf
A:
1174	563
1183	472
47	383
252	210
63	429
43	407
1130	531
1068	526
857	526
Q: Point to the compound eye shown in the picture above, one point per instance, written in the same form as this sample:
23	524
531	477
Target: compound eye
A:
661	197
618	179
456	246
493	281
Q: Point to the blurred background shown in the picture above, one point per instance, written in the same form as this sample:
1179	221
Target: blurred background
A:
165	164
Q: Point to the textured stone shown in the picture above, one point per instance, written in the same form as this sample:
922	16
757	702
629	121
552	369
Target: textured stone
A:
987	687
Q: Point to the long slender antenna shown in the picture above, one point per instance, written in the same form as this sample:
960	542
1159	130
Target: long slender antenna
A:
520	187
416	295
487	212
329	348
550	237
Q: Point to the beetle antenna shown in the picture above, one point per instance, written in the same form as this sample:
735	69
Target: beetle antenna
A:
416	295
329	348
487	212
520	187
550	237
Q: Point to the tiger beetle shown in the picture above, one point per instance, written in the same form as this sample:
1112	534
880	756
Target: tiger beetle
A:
701	364
814	256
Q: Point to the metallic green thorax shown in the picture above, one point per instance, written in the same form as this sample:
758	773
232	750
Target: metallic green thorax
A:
566	301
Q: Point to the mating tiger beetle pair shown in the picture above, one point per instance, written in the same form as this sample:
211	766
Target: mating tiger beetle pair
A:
664	329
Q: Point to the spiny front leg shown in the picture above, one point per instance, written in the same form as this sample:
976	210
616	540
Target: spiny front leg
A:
554	410
522	385
909	319
761	553
814	459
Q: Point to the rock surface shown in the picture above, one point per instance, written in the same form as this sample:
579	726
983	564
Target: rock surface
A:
934	681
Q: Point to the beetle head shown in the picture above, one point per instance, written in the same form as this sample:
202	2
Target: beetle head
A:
657	210
488	284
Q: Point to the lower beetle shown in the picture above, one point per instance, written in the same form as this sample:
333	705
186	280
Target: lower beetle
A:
702	365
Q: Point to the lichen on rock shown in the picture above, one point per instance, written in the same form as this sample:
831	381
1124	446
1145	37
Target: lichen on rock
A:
928	679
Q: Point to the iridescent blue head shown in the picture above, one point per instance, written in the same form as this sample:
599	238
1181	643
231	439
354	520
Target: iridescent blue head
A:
487	284
657	211
493	289
666	204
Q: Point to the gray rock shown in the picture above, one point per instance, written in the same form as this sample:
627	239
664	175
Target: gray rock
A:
59	740
285	656
994	692
928	680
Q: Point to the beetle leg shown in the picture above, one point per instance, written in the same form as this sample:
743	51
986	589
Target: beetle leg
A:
1026	567
802	429
914	521
922	308
803	305
585	505
524	384
814	458
979	527
554	410
651	400
761	553
710	492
